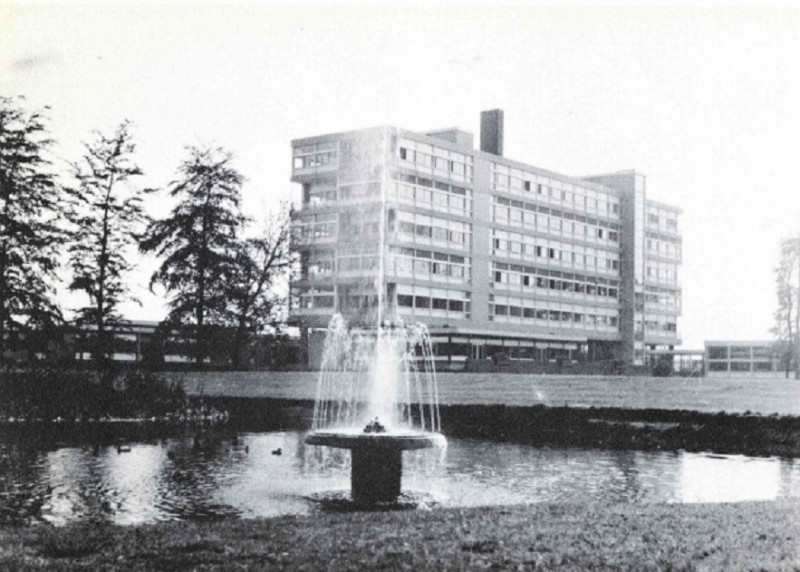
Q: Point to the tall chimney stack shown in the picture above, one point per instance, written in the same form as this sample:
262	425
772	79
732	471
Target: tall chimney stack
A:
492	131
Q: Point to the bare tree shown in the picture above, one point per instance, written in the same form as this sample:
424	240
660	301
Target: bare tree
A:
787	316
254	307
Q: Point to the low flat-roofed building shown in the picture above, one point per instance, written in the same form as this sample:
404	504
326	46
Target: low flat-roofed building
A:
742	358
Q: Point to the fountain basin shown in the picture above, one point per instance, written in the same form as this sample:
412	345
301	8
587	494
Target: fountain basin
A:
376	459
402	441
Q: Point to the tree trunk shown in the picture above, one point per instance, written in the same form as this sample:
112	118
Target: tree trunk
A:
102	263
3	305
200	319
238	343
797	313
5	193
200	335
4	311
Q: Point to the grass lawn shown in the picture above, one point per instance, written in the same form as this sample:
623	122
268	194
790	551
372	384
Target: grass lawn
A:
740	536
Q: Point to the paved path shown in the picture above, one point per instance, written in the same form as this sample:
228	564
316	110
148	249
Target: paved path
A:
764	396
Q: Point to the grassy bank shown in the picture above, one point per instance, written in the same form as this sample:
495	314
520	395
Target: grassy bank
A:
708	395
741	536
631	429
593	427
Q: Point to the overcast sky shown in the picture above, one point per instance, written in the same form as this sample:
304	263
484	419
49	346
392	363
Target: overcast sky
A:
704	102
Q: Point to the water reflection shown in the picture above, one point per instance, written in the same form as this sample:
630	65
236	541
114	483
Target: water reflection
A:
729	478
219	474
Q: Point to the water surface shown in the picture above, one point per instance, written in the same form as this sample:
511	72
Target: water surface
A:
225	473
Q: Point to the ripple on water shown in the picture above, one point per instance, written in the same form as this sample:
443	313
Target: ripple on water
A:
238	476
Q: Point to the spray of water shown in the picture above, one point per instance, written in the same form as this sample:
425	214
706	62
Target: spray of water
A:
386	373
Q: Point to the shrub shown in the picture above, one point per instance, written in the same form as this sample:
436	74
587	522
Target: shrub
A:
664	367
49	393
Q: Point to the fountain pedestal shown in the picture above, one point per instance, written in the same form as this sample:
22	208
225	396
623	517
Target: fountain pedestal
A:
377	460
375	474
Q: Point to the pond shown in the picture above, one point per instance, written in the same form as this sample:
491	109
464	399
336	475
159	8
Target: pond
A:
60	478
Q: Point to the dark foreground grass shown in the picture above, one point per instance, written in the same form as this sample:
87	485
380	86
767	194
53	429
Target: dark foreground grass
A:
741	536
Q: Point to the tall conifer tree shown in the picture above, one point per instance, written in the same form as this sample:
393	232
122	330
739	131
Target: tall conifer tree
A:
198	243
108	219
30	235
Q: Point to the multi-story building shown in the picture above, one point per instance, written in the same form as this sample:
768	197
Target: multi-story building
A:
494	255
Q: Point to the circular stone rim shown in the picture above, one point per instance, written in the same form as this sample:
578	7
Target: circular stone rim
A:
373	440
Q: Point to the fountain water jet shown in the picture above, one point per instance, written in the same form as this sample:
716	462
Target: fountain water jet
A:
377	397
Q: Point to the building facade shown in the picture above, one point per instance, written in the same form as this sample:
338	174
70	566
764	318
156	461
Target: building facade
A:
496	256
744	358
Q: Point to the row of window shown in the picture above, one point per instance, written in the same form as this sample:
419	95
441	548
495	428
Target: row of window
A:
316	226
453	238
439	196
428	265
660	220
358	263
321	264
440	165
443	162
555	252
428	303
428	254
577	247
742	366
660	326
553	225
557	213
606	206
664	300
319	193
550	273
325	192
510	313
739	352
316	297
663	272
517	181
428	270
433	301
436	185
516	281
426	219
312	148
359	191
359	225
664	248
316	160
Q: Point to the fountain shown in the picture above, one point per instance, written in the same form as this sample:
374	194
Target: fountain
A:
376	397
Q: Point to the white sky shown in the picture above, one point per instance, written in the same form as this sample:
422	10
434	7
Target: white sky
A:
705	102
